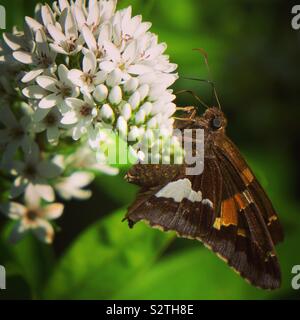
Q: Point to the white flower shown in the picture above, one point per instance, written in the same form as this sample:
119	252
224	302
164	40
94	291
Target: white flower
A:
96	13
72	186
14	135
32	176
52	90
80	116
126	28
92	73
17	41
86	159
105	34
49	121
65	35
61	5
41	59
89	77
126	61
32	217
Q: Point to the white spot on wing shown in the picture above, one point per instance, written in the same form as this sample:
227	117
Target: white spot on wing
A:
179	190
207	202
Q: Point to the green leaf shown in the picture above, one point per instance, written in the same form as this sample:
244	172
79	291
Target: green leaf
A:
117	188
105	259
199	274
29	260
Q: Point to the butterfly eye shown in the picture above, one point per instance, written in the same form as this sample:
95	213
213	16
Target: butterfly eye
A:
216	123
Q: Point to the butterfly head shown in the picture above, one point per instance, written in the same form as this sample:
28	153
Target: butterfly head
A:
213	119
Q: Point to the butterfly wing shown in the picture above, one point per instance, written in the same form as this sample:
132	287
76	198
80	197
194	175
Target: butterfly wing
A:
230	153
233	217
184	204
240	234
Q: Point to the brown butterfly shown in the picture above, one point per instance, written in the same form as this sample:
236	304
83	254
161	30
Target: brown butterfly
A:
232	216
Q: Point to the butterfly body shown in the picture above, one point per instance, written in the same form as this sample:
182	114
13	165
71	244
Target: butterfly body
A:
224	207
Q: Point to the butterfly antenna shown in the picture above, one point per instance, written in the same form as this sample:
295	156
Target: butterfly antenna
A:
194	95
211	83
205	55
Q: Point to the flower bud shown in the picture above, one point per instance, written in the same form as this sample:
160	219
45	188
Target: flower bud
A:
146	107
140	117
135	100
164	133
126	111
106	112
115	95
122	127
152	123
144	91
149	136
134	134
101	92
169	110
141	156
131	85
142	131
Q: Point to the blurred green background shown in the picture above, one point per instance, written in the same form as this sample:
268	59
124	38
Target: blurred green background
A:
254	57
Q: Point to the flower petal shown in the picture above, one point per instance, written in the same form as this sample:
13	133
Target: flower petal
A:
53	211
74	103
45	192
49	101
58	49
69	118
75	76
34	92
63	73
105	33
44	231
94	14
56	34
89	38
12	41
40	114
130	52
33	24
47	83
23	57
107	66
53	135
112	51
31	75
13	210
139	69
47	15
81	179
18	232
70	25
89	63
48	169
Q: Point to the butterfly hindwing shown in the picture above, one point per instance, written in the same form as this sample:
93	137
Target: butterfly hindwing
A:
180	205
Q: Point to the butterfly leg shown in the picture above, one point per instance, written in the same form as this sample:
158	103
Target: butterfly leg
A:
190	110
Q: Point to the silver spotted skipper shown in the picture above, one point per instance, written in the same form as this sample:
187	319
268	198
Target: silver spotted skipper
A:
233	216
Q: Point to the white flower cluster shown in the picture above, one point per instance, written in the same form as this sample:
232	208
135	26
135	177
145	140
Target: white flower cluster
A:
77	70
